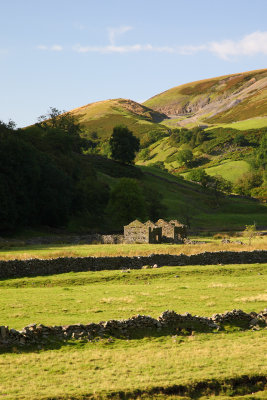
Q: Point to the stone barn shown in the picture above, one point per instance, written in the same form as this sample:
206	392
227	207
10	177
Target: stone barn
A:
136	232
173	231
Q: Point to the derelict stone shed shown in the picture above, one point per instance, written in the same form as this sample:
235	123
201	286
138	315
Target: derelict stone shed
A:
173	231
136	232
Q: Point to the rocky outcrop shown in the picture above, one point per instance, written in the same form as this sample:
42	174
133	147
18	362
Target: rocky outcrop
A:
169	322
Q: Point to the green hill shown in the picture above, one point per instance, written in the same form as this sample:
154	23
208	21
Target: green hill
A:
187	201
220	103
221	100
100	118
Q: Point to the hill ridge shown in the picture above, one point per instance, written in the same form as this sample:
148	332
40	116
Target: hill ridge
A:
209	100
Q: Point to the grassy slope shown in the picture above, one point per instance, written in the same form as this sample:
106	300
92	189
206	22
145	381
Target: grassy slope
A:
183	198
189	98
230	170
80	368
251	123
102	116
223	158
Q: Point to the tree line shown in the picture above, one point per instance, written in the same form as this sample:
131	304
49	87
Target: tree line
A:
47	178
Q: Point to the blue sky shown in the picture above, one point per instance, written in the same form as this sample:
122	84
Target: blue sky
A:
66	53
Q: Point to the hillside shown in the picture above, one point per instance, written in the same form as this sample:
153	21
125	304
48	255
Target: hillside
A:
221	100
218	151
100	118
186	201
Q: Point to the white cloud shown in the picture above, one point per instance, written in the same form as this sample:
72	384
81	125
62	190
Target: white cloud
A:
113	32
254	43
190	49
54	47
251	44
122	49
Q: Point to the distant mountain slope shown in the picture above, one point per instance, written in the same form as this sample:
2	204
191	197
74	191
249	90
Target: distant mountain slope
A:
219	100
102	116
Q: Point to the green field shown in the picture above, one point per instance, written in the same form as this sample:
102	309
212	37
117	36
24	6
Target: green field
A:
83	370
252	123
230	170
87	370
94	296
102	250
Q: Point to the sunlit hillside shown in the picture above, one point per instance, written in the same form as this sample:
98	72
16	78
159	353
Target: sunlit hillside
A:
221	100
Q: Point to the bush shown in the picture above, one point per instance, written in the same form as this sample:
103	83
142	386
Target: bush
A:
247	182
198	175
250	232
185	157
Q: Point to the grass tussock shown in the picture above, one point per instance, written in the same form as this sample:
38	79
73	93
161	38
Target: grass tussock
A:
252	299
221	285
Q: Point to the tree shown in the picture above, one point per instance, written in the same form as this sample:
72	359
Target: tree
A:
261	155
123	144
32	190
222	184
247	182
199	175
126	202
155	208
185	157
61	120
250	232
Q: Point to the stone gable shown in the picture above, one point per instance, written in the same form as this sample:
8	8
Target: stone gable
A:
159	232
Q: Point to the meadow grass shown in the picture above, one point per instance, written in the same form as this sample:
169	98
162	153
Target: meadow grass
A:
230	170
252	123
103	250
98	296
81	370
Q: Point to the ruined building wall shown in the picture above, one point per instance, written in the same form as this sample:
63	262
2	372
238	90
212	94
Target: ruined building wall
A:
136	234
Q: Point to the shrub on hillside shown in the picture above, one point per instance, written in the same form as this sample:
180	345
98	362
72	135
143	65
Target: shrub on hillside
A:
247	182
198	175
185	157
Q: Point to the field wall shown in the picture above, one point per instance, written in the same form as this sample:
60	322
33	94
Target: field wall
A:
137	326
38	267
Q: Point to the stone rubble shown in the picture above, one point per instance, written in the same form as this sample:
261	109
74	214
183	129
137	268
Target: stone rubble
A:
168	322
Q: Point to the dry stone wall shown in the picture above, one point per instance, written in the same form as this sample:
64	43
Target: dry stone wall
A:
37	267
169	322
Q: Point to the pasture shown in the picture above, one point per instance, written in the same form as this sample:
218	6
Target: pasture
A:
230	170
18	250
92	370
